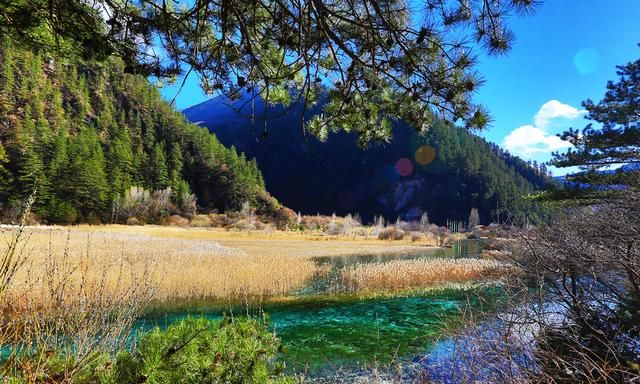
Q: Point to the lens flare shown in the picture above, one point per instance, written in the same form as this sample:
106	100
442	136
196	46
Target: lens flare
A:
587	61
404	167
425	154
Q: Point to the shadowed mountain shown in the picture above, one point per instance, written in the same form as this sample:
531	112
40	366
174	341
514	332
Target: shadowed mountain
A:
445	172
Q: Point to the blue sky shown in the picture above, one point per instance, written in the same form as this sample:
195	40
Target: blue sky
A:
563	54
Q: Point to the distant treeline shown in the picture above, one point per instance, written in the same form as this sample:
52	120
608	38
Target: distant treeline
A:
85	133
470	172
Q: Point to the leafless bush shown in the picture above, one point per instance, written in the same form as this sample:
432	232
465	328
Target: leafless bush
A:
66	317
14	254
133	221
152	207
175	221
391	233
217	220
135	202
441	234
188	205
316	221
573	314
485	347
200	221
285	218
334	227
417	236
378	225
409	226
588	261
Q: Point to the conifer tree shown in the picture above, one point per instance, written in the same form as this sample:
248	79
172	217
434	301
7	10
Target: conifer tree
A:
6	178
88	132
31	170
159	170
85	178
614	142
120	160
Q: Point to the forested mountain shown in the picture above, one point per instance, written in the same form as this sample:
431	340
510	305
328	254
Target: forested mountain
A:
85	133
445	172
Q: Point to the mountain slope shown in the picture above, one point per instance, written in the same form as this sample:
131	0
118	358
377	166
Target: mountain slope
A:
445	172
85	133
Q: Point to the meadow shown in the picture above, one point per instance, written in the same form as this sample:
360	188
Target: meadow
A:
178	263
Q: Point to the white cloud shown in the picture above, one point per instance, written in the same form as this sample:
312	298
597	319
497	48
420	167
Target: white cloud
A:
536	141
528	140
553	109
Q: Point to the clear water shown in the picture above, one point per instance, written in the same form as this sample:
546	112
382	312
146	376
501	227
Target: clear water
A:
323	331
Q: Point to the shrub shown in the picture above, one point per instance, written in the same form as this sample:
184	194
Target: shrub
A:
241	225
315	222
442	234
416	236
175	221
133	221
152	207
199	350
334	227
285	217
60	211
409	226
191	351
217	220
267	205
93	219
201	221
391	233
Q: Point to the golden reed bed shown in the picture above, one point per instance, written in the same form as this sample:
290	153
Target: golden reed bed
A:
178	263
418	273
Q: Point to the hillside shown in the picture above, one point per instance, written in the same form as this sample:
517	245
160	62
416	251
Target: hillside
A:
85	133
445	172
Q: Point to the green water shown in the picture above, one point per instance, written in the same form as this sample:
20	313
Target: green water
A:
324	331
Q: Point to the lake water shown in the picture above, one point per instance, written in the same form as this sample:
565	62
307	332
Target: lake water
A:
323	330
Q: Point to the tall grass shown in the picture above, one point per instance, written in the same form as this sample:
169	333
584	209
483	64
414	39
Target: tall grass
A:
179	268
403	274
61	310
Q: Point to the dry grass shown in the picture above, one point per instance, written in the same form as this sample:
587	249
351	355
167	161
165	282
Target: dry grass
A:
182	263
405	274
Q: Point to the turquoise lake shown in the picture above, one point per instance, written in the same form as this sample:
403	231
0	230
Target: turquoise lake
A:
324	330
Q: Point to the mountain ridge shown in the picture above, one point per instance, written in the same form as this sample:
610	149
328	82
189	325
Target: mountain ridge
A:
85	133
396	180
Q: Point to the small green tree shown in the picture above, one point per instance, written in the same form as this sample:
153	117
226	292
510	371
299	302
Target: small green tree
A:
197	350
